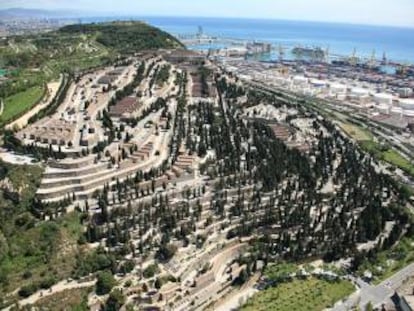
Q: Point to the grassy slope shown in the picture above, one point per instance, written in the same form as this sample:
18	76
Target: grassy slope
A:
398	160
307	295
30	251
125	37
45	250
17	104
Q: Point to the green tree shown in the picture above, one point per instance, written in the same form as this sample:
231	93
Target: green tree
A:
105	283
150	271
115	301
166	252
157	283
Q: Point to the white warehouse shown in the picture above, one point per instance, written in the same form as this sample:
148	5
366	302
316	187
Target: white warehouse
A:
383	98
359	94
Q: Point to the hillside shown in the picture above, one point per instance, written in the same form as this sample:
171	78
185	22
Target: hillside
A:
125	37
186	179
32	60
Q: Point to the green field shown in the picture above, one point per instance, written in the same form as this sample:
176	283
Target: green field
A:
300	295
356	132
19	103
398	160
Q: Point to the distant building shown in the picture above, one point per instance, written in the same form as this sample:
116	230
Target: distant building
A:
338	90
359	95
258	48
405	92
184	56
383	98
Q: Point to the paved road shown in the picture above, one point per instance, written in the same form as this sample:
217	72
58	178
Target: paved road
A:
376	294
233	300
397	279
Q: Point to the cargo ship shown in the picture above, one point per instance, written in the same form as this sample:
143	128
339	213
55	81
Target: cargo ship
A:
317	52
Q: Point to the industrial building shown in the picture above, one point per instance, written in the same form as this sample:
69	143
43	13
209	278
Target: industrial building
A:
359	95
383	98
338	90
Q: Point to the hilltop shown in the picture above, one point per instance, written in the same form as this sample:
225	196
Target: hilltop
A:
125	37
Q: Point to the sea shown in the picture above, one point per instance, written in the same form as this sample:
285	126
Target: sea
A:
341	39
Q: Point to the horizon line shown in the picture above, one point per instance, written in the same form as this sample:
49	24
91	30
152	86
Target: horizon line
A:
107	14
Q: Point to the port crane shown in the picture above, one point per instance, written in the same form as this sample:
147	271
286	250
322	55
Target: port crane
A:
372	61
281	51
384	59
327	55
353	59
299	54
200	32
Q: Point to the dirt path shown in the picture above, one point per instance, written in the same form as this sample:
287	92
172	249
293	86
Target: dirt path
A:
57	288
21	122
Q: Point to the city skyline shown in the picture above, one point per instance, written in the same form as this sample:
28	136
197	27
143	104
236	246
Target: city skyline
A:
397	13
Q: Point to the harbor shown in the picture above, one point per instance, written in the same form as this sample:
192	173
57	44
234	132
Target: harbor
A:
226	47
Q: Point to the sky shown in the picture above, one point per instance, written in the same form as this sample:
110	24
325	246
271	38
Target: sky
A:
374	12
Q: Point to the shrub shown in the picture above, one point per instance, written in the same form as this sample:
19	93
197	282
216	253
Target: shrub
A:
150	271
28	290
48	282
